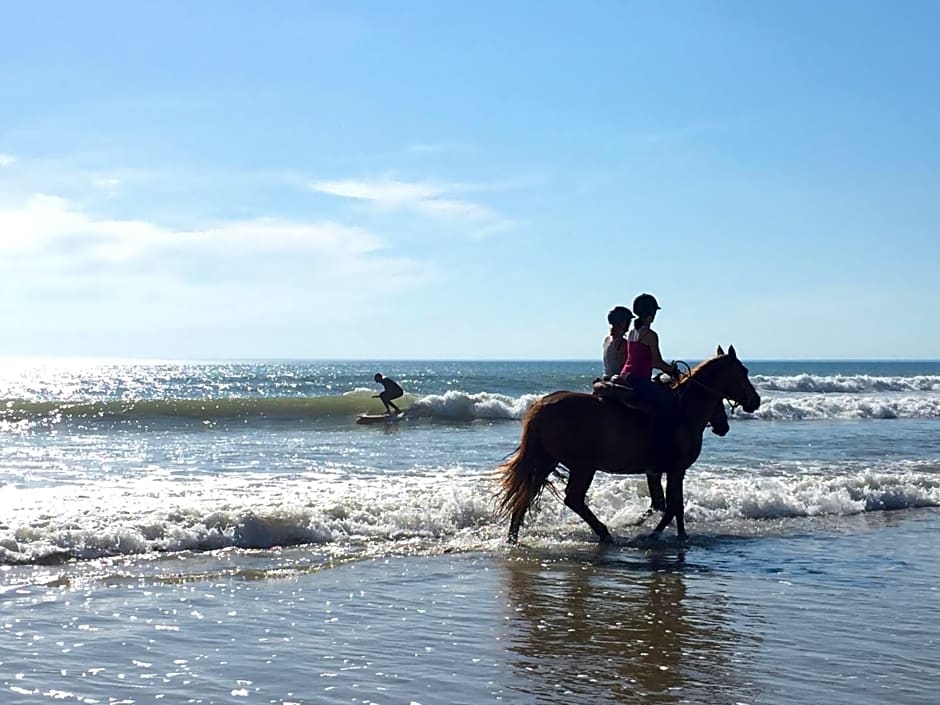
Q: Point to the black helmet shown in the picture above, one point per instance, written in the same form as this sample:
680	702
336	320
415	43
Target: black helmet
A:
619	315
645	305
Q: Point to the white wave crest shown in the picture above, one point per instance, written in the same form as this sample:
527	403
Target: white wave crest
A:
466	406
835	406
729	498
846	384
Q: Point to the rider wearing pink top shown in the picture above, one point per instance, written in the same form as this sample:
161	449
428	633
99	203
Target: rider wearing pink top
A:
643	354
639	362
643	357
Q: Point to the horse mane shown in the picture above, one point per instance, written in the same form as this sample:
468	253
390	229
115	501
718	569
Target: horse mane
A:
678	386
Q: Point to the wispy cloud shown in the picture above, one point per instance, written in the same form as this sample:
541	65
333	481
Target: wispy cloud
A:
25	177
263	265
388	192
438	200
45	222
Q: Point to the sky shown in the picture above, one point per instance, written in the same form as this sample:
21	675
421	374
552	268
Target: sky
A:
485	180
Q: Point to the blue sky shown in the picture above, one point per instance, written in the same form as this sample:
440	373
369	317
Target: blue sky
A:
468	180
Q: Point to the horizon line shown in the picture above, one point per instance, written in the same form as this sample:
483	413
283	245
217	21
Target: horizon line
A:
147	359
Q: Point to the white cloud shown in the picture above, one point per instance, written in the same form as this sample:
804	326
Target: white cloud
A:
430	199
73	181
388	192
55	256
49	221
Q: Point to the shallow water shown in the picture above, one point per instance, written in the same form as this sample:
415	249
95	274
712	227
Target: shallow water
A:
255	545
837	611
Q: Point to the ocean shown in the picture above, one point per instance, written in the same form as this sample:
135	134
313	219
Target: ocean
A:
224	532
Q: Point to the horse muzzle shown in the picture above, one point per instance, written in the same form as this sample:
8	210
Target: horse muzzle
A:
751	403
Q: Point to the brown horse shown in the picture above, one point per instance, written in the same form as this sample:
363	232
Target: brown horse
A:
586	433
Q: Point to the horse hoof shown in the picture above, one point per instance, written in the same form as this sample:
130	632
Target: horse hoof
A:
682	538
606	538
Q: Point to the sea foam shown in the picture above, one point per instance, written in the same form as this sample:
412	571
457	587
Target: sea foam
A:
159	514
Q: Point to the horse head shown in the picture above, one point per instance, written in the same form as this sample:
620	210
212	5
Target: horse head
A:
731	380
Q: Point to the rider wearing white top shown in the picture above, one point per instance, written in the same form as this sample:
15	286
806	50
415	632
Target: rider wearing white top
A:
615	347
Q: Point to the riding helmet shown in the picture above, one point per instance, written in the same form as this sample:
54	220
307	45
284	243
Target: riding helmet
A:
619	315
645	305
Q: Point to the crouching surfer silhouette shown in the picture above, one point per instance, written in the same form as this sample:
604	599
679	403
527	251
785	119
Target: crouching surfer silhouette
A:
392	390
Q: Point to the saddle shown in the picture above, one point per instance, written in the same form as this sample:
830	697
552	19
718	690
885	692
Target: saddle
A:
618	389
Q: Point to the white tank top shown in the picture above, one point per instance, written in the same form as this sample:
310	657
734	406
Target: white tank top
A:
614	355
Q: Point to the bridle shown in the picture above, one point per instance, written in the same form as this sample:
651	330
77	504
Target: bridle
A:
732	404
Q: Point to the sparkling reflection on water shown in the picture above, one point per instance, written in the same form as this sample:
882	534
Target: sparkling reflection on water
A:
840	613
634	633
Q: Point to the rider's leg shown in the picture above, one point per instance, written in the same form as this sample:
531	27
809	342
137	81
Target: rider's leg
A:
664	425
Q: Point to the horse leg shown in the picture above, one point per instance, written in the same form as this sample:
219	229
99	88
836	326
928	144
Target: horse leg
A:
514	524
674	502
680	509
670	512
654	481
578	483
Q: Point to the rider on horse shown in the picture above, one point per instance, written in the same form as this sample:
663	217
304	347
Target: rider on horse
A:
643	357
615	347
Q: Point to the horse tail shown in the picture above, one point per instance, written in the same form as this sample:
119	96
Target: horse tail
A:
525	473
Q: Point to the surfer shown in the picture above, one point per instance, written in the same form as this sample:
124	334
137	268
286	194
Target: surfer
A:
392	391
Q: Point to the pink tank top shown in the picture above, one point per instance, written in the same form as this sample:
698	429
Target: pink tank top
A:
639	357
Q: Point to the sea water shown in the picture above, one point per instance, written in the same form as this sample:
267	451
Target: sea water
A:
225	533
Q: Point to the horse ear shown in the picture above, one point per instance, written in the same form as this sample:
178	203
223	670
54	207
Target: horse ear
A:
720	351
731	351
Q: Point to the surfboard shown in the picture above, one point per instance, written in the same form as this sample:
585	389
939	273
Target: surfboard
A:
379	418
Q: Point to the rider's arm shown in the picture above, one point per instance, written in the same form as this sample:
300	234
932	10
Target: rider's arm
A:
652	339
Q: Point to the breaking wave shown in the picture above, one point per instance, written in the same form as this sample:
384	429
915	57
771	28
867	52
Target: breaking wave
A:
846	384
797	397
451	507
